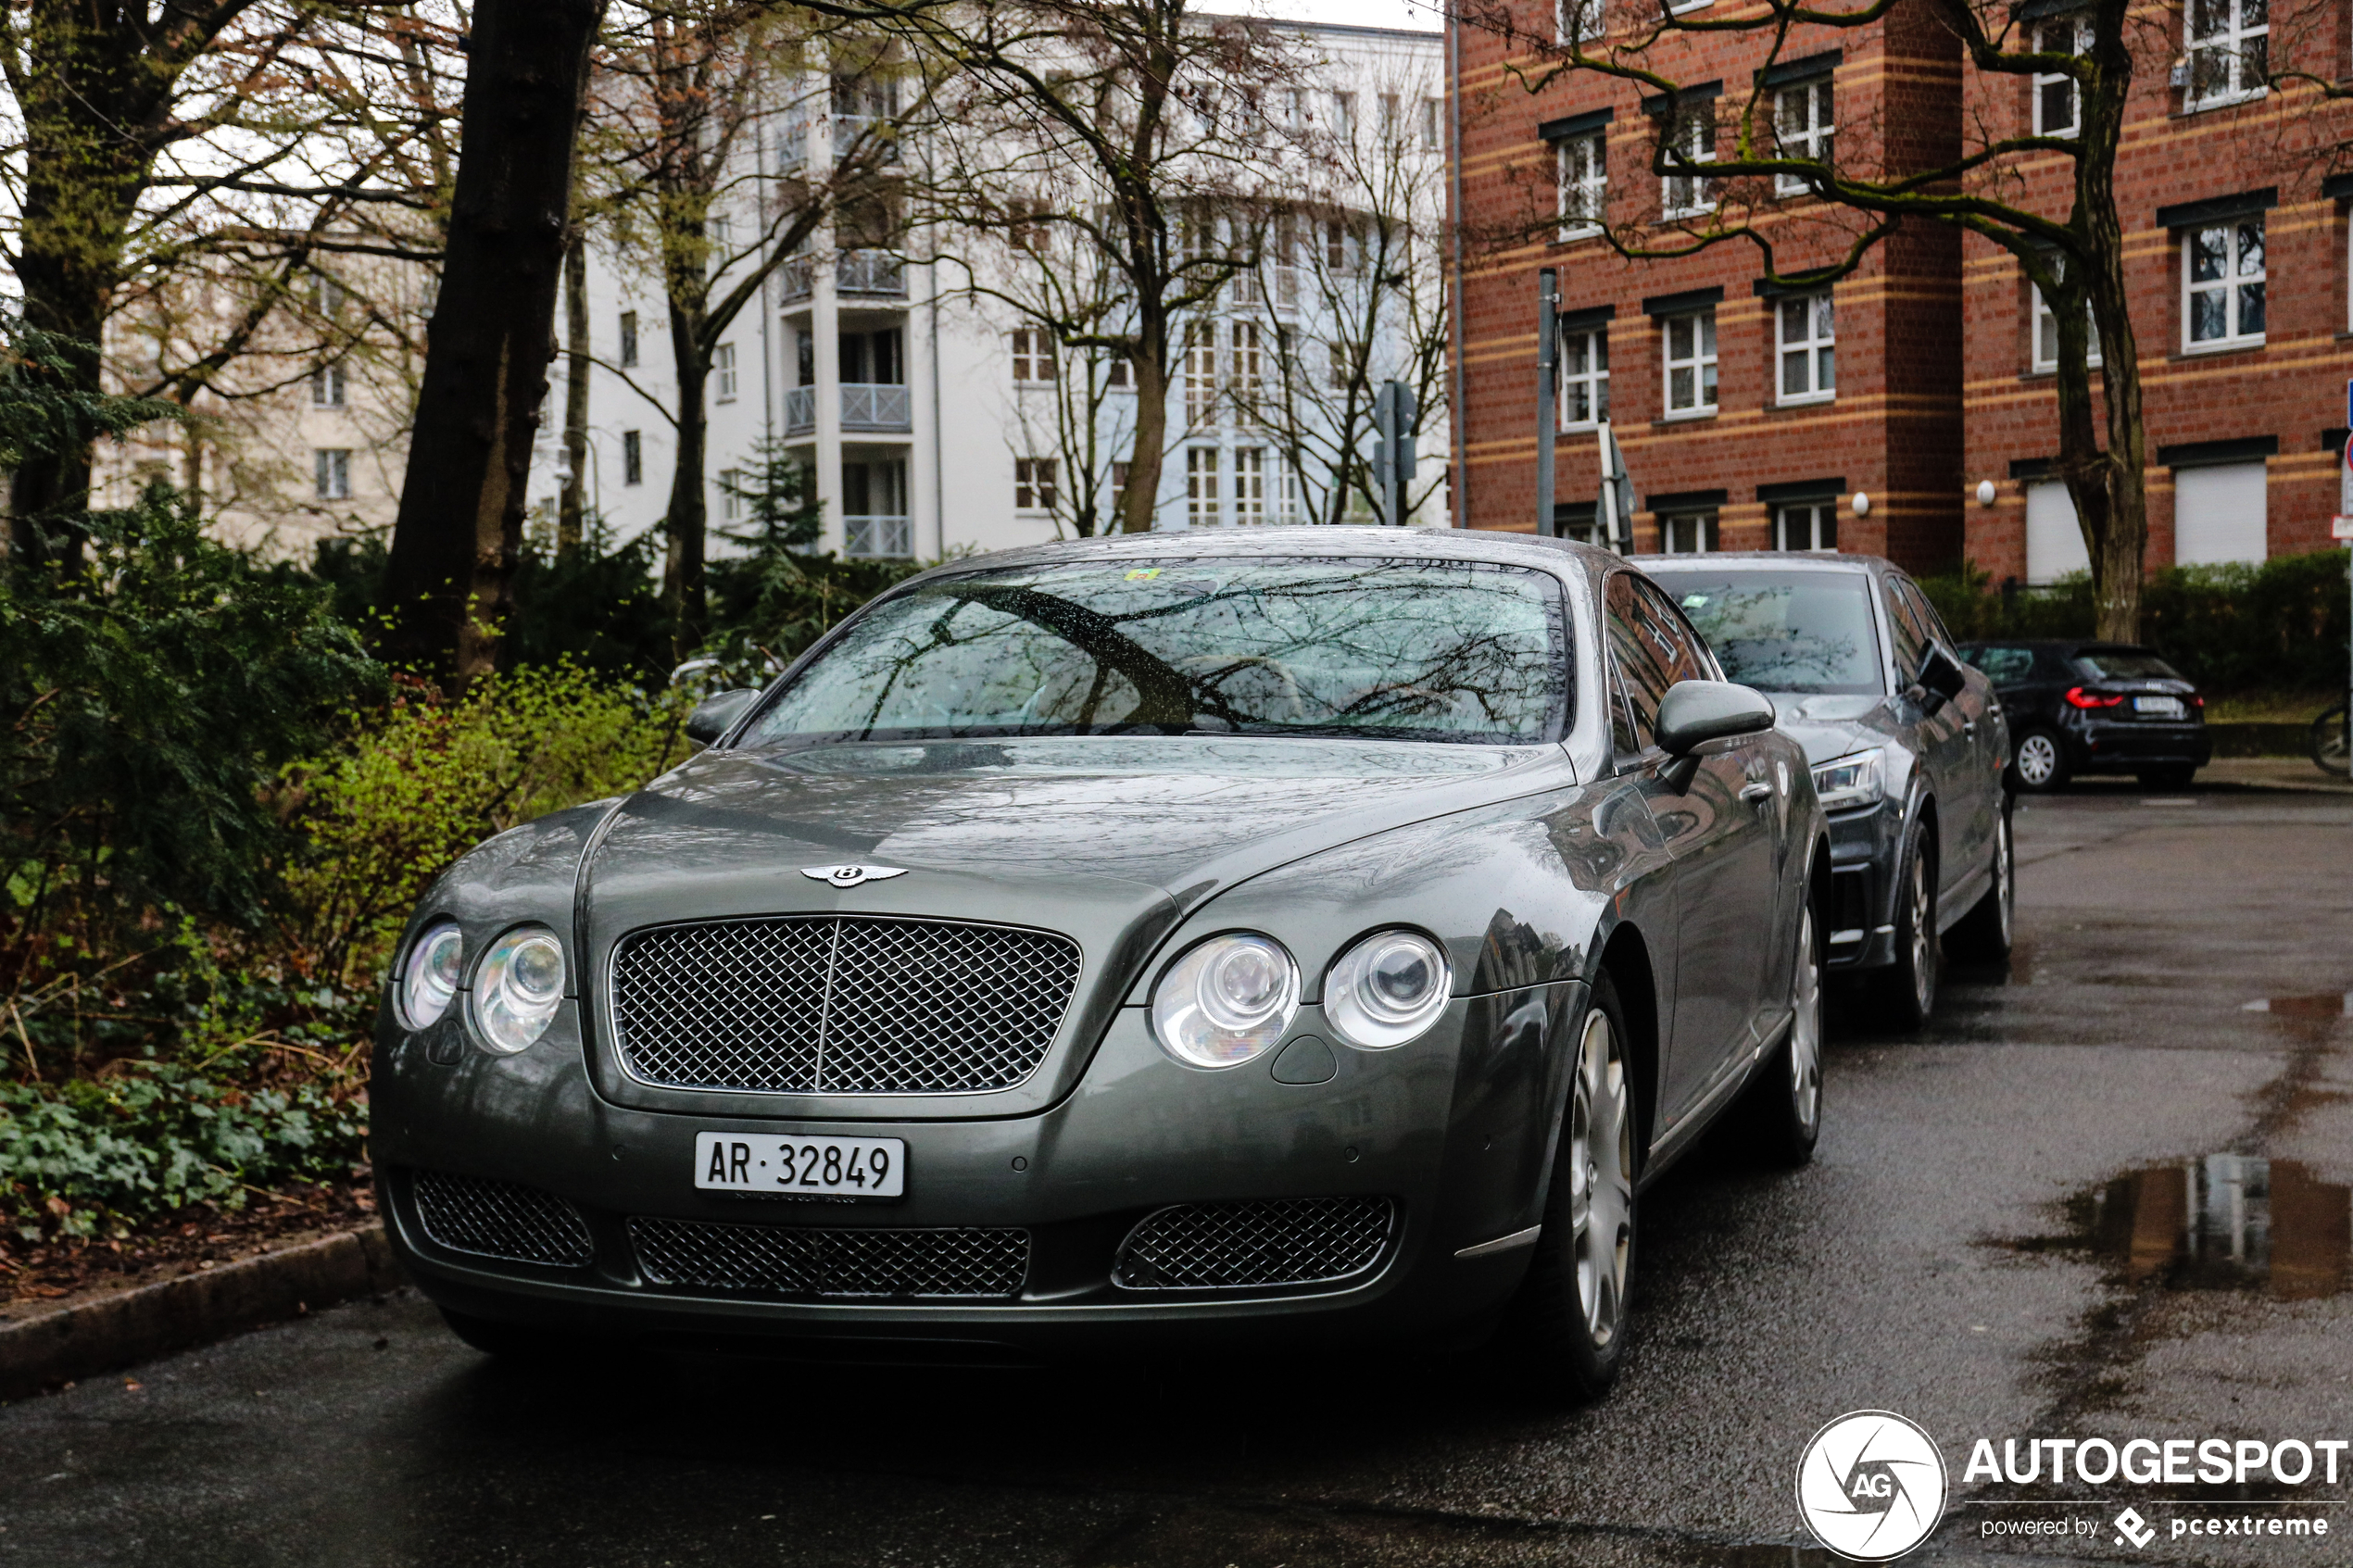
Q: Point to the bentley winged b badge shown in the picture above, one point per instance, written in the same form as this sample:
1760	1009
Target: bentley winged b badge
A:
850	876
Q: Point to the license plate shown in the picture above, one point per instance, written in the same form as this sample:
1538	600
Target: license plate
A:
2159	707
802	1167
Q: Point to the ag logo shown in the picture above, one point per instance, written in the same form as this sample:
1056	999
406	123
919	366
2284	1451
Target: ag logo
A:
1871	1486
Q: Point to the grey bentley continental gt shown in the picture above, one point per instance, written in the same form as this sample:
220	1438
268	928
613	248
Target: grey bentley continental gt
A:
1291	934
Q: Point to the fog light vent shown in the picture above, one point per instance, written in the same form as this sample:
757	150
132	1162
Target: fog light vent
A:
1237	1246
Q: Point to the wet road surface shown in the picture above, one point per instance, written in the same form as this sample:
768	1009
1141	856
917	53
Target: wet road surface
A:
2104	1194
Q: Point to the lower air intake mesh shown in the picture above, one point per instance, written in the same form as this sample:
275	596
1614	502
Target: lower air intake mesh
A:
790	1260
502	1220
1234	1245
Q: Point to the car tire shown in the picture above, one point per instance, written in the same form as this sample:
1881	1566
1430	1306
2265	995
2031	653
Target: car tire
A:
1786	1098
2038	763
1907	988
1568	1326
1983	934
2175	777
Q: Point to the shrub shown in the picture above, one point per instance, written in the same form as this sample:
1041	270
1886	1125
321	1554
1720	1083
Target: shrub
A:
428	779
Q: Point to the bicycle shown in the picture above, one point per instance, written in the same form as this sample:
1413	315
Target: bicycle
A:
2328	741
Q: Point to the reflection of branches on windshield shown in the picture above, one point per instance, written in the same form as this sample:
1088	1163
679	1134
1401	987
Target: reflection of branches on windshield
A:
1752	634
1164	694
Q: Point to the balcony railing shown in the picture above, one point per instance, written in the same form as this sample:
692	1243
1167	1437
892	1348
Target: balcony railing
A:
871	272
800	409
848	128
870	407
877	537
793	279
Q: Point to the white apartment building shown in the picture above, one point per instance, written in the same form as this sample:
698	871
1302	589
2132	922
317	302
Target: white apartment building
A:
925	412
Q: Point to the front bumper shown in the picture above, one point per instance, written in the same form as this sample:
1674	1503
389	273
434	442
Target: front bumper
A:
1863	846
1453	1130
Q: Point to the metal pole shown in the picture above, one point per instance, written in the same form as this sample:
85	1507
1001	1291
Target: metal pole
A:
1547	351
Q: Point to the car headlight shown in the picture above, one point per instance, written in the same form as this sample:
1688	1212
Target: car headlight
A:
1388	989
1849	782
1225	1001
518	988
430	977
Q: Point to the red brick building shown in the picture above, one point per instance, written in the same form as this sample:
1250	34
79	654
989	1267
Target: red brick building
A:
1866	415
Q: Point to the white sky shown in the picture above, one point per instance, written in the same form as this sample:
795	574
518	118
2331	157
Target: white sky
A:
1362	13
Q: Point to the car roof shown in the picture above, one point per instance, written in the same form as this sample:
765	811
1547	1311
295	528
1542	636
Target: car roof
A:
1780	560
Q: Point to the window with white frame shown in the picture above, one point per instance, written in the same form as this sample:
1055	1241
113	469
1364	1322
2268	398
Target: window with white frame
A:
1692	140
633	457
1034	484
327	387
1688	534
1033	356
1336	246
722	365
1288	503
1250	485
1116	375
2230	51
1584	184
628	339
2047	344
2058	103
1392	118
1690	363
1807	525
1201	487
1339	360
1119	472
1805	125
1249	371
1344	114
1805	328
2222	284
1584	378
1286	258
330	472
1200	373
1577	20
1432	136
730	494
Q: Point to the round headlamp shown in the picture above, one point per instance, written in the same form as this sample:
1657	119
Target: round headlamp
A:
430	977
1225	1001
1388	989
519	986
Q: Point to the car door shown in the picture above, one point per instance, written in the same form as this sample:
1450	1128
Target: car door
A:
1947	740
1721	841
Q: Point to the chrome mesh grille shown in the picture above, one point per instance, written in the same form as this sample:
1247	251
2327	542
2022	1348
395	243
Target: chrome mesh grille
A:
787	1261
839	1005
1232	1245
501	1220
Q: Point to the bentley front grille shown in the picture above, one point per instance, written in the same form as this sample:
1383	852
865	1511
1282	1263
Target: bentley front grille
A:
496	1219
1236	1246
839	1005
789	1261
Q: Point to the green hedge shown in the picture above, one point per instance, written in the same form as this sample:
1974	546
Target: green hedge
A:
2279	626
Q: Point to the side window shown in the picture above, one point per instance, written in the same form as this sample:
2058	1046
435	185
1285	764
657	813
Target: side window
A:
1924	610
1911	633
1642	676
1681	650
2005	666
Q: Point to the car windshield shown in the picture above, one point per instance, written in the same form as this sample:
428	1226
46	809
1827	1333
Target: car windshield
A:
1807	632
2124	664
1383	649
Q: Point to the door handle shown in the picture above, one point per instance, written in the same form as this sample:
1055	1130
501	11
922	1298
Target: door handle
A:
1758	793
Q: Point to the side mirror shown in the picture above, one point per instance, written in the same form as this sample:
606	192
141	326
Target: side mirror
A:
1694	713
1942	677
716	714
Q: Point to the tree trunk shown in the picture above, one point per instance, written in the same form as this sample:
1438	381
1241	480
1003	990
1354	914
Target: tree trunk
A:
492	336
1142	497
2111	489
575	394
682	570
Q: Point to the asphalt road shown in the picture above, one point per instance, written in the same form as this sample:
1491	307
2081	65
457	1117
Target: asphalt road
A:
2179	992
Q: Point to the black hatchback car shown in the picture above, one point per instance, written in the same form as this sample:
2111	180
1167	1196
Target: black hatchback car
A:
2094	707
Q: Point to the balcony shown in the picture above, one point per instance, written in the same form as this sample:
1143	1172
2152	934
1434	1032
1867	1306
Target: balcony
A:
793	279
849	128
877	537
867	407
800	409
871	272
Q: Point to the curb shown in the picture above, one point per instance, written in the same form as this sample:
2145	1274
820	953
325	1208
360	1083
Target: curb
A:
112	1331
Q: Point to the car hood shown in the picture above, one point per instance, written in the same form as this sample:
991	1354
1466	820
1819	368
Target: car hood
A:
1832	726
1045	830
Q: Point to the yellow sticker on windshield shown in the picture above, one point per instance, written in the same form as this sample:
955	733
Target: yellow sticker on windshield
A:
1134	575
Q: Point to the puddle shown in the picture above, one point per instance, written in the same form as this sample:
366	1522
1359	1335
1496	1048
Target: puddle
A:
2226	1222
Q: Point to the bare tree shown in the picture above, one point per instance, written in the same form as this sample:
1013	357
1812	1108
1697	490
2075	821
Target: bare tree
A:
1739	172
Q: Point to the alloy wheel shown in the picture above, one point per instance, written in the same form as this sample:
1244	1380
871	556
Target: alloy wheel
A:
2005	877
1923	935
1601	1205
1805	1030
2038	760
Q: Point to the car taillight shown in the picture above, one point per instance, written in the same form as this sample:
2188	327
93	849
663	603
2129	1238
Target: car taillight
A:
2078	697
2197	701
